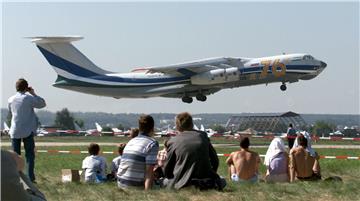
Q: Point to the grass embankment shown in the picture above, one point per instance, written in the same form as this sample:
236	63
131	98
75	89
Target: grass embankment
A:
48	172
48	169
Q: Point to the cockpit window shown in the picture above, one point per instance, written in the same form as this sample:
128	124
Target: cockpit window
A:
308	57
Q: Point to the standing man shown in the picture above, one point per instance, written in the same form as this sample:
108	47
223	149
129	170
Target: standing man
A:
24	122
291	135
191	159
136	168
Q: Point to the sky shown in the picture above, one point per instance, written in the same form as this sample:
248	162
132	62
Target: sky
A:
120	36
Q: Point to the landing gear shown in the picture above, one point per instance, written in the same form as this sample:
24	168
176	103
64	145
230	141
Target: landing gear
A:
283	87
187	99
201	97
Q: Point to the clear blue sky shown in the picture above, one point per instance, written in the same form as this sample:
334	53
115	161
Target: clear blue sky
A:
122	36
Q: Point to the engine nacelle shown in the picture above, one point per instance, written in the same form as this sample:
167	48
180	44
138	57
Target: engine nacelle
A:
216	76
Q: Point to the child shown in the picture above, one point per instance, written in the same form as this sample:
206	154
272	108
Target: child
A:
94	165
158	169
116	161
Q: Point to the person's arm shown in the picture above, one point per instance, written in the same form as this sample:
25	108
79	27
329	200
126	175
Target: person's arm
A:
214	159
292	167
316	167
149	176
229	162
150	163
37	102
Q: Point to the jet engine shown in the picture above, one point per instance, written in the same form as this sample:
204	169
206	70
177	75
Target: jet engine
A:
216	76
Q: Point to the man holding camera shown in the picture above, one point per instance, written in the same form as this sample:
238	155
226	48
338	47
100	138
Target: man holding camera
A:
24	122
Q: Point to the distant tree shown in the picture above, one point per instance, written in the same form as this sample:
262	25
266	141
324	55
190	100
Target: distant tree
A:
219	128
120	126
80	123
321	128
107	129
64	120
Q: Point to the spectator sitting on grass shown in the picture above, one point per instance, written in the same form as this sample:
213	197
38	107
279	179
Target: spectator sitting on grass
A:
244	164
139	157
191	159
116	161
94	165
277	162
304	161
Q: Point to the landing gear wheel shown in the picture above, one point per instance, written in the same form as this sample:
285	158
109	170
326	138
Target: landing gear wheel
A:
201	97
187	99
283	87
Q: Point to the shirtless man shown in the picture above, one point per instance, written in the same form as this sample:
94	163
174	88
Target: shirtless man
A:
244	164
304	165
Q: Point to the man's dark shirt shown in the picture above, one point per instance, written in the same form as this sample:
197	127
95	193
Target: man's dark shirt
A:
190	156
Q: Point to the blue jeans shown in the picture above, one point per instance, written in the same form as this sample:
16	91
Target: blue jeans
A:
29	146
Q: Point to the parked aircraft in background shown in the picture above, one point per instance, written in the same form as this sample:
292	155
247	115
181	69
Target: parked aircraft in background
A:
169	132
210	132
6	129
94	132
185	80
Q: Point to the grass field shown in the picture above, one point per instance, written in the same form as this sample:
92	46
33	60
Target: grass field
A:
48	172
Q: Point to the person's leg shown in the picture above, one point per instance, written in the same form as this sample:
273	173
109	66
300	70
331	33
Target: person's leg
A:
291	142
16	145
29	146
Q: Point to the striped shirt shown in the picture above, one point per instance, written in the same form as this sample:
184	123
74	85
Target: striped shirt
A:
139	152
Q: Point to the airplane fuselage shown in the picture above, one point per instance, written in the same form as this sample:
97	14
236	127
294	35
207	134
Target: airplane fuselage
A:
141	83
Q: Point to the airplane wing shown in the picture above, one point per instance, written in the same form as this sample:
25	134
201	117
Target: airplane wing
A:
195	67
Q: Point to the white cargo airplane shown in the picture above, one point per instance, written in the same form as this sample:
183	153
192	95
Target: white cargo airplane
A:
185	80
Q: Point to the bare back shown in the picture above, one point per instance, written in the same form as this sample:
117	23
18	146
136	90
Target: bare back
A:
302	162
246	163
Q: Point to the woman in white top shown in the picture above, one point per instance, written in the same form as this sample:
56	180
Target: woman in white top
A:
94	165
277	162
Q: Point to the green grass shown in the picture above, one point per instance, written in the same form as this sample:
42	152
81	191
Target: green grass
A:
48	172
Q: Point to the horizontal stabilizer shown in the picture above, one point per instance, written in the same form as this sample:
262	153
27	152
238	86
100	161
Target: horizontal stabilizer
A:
54	39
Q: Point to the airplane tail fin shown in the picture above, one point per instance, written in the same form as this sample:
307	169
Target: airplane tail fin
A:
202	128
98	127
6	127
66	60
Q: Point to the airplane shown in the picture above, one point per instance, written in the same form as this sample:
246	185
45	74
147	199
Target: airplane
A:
169	132
210	132
5	130
94	132
184	80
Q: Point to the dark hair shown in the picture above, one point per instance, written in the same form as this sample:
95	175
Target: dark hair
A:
245	143
184	122
94	149
302	141
121	148
21	85
134	132
146	124
290	125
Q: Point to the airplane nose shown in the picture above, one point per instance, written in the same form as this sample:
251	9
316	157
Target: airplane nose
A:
323	64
